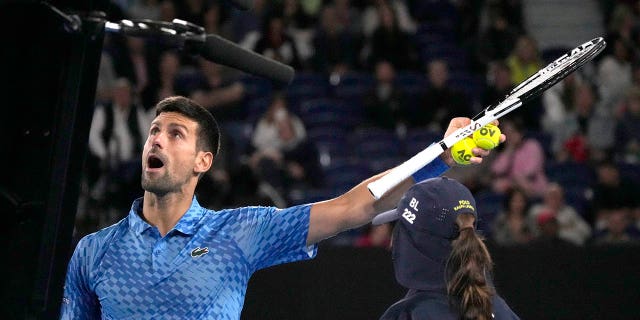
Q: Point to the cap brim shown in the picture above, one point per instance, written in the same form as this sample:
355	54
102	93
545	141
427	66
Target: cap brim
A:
385	217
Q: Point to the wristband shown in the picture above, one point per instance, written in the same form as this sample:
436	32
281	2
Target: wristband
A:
431	170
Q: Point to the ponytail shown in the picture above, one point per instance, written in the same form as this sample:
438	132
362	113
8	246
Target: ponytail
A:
467	269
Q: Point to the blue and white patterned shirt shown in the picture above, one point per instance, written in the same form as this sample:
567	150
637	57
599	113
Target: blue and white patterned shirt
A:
199	270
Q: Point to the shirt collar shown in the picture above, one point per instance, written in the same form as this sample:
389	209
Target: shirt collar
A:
186	225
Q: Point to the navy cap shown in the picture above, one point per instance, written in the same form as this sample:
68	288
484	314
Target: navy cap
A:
426	226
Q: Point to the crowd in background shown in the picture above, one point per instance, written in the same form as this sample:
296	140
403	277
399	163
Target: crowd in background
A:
377	81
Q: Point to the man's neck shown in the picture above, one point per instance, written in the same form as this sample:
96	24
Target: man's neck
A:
165	211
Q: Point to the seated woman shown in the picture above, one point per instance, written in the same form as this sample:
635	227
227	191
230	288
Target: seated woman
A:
283	158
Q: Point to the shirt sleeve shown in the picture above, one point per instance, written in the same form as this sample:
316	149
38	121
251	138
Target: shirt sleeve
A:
79	300
271	236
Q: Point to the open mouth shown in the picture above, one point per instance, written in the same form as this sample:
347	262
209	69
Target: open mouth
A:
153	162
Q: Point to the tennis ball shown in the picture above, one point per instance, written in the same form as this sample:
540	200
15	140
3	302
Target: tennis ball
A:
488	137
462	151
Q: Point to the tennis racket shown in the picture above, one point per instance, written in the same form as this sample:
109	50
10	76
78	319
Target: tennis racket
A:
524	92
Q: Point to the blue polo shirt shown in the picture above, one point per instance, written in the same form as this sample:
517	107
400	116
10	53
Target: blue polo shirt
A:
199	270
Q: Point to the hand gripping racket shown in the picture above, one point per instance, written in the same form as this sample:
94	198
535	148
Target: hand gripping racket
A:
525	91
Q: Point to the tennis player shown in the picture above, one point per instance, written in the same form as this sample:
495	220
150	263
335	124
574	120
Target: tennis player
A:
439	257
170	258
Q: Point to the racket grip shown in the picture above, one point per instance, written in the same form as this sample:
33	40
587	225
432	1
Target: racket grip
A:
398	174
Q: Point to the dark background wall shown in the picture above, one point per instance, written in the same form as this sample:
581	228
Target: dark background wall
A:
548	281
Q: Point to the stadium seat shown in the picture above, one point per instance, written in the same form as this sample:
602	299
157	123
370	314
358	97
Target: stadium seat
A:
345	173
416	139
488	205
570	173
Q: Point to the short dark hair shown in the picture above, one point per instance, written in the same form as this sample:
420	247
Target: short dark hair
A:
208	130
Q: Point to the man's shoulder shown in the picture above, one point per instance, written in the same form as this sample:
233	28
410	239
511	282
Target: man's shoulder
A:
99	238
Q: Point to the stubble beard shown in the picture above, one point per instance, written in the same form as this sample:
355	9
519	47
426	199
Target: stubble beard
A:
160	185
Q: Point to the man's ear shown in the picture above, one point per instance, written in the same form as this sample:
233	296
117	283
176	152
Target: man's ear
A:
204	161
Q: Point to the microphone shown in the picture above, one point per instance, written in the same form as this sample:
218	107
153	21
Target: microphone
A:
242	4
214	48
219	50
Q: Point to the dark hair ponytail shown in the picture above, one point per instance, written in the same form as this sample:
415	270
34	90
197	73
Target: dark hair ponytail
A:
467	268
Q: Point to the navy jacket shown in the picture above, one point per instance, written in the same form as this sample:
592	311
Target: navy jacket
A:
429	305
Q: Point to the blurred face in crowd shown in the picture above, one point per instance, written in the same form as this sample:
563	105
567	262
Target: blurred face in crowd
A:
608	175
438	73
169	64
122	93
501	77
518	202
512	131
617	221
384	72
584	99
526	49
387	20
554	198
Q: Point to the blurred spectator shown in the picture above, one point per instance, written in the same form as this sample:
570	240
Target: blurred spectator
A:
295	17
497	41
498	83
612	191
510	9
371	18
214	20
246	25
106	78
145	9
378	236
441	101
622	22
524	60
519	162
275	43
549	228
389	42
168	68
618	229
348	17
335	50
572	227
216	88
510	226
586	132
614	73
384	104
627	132
558	101
190	10
284	159
168	10
117	135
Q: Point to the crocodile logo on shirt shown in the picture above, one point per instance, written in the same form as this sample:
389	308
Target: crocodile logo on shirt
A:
199	252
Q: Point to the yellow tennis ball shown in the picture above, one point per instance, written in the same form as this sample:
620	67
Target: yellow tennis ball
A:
488	137
462	151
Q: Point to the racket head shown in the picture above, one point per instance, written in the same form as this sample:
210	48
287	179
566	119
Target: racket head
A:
551	74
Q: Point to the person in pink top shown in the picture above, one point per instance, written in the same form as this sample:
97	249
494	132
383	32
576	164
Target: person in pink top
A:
520	163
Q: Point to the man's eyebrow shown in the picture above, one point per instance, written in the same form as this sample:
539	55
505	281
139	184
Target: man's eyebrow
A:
170	125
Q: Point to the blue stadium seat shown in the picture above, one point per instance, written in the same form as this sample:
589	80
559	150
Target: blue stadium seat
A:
411	81
345	173
570	173
629	171
256	87
488	205
256	108
326	112
416	139
577	197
